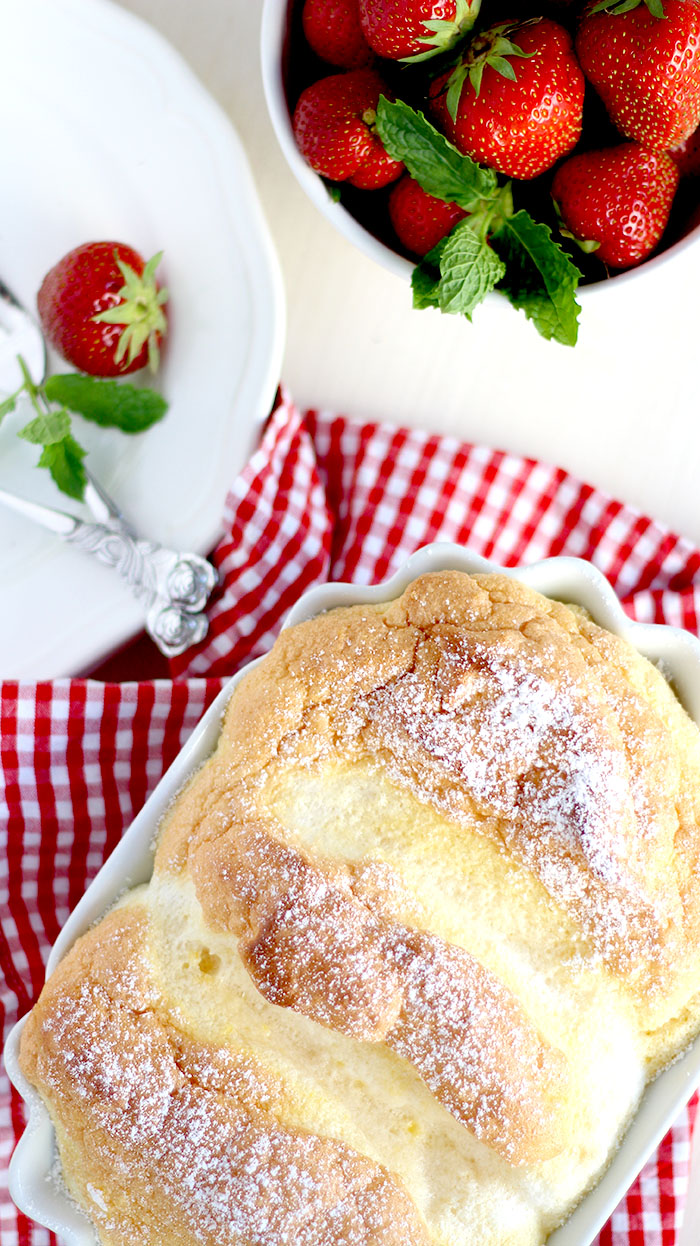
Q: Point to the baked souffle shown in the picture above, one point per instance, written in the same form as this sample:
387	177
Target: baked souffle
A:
418	935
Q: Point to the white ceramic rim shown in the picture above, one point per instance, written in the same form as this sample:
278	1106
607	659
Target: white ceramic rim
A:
567	579
271	43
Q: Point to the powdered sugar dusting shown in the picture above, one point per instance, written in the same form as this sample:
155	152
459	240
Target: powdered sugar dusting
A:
511	733
522	745
475	1049
320	939
187	1136
506	739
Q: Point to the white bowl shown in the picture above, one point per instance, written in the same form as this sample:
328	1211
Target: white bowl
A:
32	1183
274	42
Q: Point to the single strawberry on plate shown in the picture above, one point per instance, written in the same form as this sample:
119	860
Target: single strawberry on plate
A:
618	198
415	30
643	58
332	29
420	220
334	127
102	309
514	101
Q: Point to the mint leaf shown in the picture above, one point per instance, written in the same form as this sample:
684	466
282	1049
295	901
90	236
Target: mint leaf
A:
111	404
469	269
46	429
64	459
522	259
425	282
540	278
430	158
8	405
458	273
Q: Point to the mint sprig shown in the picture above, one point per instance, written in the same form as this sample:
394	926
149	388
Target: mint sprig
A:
458	273
494	247
104	402
64	460
539	277
111	404
440	168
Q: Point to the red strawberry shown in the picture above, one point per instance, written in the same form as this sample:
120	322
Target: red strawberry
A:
646	68
102	309
515	100
415	29
334	129
620	198
332	29
419	219
687	155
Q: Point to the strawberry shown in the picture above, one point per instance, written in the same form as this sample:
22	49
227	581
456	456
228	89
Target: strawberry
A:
619	197
515	100
101	308
332	29
334	128
687	155
644	62
420	220
415	29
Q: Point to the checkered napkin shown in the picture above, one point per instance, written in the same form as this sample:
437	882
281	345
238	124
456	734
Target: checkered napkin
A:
322	499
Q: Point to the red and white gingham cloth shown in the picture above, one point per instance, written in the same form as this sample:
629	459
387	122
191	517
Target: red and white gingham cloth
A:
322	499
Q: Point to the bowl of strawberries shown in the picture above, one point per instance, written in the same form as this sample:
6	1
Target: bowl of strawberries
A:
480	154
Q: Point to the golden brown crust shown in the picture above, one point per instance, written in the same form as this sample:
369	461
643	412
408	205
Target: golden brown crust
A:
497	731
314	939
506	711
180	1141
503	710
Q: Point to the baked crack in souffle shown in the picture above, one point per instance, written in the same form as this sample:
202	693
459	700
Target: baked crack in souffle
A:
418	935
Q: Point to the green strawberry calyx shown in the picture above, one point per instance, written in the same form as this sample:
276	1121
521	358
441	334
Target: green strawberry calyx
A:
445	34
493	48
140	311
617	7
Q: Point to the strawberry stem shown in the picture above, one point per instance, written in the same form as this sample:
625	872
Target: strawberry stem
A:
444	34
492	48
618	7
140	311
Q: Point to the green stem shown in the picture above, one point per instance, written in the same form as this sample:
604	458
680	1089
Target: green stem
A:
28	382
34	392
493	212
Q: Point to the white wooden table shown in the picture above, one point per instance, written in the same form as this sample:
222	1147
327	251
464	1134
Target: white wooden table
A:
621	410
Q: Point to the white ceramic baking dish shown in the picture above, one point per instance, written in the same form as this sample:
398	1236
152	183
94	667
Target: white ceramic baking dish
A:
33	1184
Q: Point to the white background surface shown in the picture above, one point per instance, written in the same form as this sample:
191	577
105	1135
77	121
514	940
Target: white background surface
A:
621	410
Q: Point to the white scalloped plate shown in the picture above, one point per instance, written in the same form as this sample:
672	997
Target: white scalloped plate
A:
568	579
109	134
